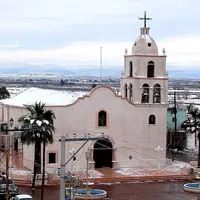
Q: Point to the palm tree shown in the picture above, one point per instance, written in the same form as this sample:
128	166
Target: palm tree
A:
192	125
39	129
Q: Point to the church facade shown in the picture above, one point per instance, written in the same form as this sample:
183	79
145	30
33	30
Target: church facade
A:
133	123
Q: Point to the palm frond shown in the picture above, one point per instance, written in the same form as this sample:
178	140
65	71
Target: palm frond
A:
39	123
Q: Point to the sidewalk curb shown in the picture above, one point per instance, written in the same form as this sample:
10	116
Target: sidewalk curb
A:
112	180
140	178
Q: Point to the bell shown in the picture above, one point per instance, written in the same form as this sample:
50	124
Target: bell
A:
156	98
145	94
156	94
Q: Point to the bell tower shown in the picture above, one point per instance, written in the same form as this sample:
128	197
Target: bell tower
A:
145	78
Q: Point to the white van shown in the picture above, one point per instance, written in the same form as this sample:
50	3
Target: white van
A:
22	197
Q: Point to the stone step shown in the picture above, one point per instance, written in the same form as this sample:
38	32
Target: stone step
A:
19	182
113	180
139	178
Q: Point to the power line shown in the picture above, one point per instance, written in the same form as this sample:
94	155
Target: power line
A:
107	147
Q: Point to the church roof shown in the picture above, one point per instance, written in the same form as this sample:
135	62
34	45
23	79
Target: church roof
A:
144	44
49	97
53	97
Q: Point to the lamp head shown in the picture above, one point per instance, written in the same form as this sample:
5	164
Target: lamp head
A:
11	122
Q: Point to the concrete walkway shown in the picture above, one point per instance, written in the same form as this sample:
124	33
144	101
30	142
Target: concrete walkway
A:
171	171
108	176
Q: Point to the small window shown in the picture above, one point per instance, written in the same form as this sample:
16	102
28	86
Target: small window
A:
150	69
102	118
131	69
149	44
125	90
52	158
173	119
152	119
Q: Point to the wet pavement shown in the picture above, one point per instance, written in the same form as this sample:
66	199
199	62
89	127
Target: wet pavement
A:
131	191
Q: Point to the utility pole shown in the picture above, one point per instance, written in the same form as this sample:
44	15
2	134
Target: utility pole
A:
87	154
7	166
7	153
8	148
62	159
175	111
62	169
175	127
198	136
43	167
11	152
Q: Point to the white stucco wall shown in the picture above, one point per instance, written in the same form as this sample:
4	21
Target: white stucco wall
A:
139	77
140	64
128	129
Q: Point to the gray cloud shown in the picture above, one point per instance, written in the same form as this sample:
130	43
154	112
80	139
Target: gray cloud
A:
55	24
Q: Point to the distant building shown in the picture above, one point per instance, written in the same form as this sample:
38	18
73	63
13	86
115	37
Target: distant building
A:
181	116
178	139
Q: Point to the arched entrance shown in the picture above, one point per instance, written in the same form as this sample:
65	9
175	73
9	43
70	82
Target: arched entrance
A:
103	151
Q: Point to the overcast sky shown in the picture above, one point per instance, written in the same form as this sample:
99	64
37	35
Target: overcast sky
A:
70	32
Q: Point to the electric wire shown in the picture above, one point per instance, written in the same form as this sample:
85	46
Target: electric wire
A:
82	151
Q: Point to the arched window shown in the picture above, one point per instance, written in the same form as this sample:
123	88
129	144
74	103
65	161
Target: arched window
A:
150	69
145	93
102	118
156	94
125	90
130	92
131	69
152	119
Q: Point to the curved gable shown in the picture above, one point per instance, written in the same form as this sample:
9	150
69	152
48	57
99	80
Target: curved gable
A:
100	88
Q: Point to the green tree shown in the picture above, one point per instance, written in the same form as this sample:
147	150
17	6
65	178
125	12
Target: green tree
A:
4	94
39	129
192	125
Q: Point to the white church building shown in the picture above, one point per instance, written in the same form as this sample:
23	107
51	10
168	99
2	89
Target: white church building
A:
133	123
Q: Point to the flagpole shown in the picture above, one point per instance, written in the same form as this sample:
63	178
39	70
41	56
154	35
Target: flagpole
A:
100	65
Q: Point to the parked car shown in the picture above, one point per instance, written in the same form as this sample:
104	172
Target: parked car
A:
22	197
12	188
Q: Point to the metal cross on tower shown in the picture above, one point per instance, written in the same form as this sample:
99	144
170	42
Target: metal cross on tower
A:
145	18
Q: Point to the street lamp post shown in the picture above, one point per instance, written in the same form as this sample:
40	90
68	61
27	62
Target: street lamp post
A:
87	155
158	150
7	148
11	141
7	166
